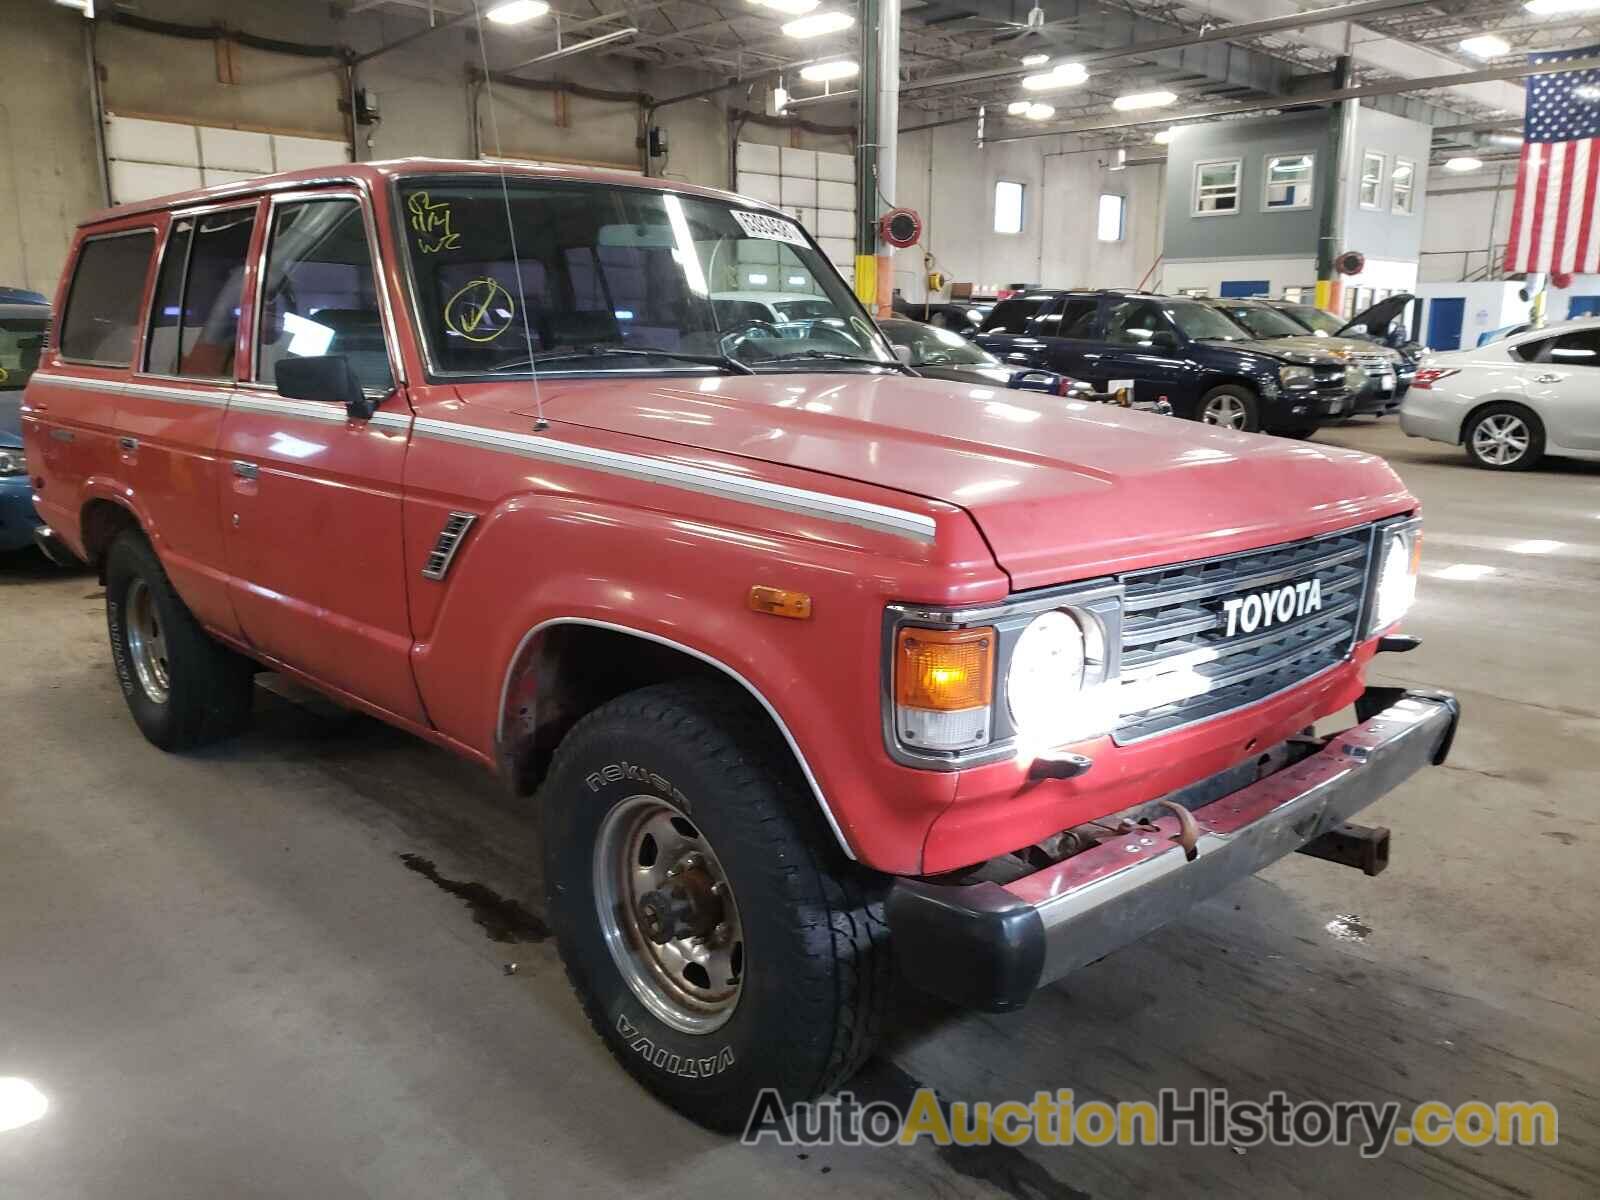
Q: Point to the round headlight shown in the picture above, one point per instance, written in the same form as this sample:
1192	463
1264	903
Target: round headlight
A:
1045	674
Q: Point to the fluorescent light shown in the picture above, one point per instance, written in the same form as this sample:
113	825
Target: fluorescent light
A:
1136	100
20	1103
1462	162
515	12
1040	112
1165	136
818	24
1552	8
789	8
1486	45
839	68
1018	108
1504	139
1035	60
1063	75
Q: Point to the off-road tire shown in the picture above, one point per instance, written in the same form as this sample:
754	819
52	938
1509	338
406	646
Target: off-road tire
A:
817	978
210	688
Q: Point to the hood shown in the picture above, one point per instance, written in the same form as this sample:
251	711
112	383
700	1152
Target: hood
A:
1339	347
1372	321
10	419
1305	352
1061	489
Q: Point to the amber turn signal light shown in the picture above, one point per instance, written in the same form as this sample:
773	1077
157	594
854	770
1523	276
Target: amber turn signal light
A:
776	602
944	670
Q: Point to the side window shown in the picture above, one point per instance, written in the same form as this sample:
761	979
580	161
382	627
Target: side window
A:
1530	351
1012	316
1581	348
1077	320
101	322
161	347
1134	323
213	289
1047	321
1372	171
320	292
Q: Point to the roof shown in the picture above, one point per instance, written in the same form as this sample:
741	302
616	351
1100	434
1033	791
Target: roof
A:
374	175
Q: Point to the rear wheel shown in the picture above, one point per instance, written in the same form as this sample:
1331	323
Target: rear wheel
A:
1505	437
720	942
183	688
1230	406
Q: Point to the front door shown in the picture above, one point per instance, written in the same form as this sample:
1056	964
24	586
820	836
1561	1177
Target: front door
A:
1142	345
310	495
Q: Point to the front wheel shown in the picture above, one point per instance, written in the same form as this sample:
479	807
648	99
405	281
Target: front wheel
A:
1299	432
1230	406
1505	437
719	940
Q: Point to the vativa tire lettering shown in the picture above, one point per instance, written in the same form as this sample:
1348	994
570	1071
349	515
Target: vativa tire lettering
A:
1272	606
674	1064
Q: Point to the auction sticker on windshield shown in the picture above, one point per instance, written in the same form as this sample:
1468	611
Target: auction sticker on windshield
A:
770	228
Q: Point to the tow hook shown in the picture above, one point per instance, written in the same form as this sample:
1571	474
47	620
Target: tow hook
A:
1188	831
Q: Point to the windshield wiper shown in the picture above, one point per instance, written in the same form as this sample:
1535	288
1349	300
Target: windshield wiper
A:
722	362
835	356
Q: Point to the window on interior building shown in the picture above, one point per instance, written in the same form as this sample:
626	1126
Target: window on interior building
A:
1216	188
1288	181
1401	186
1007	206
1372	165
1112	216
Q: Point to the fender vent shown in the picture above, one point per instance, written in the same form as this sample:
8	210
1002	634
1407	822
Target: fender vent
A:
449	541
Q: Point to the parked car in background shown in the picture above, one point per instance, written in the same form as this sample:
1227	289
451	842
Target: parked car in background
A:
23	329
937	353
16	295
1379	395
963	316
741	615
1376	323
1512	402
1184	351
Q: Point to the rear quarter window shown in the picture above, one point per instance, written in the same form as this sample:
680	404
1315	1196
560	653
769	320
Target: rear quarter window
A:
100	323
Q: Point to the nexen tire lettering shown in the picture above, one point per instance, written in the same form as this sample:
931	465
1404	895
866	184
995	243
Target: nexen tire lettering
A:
1274	606
617	772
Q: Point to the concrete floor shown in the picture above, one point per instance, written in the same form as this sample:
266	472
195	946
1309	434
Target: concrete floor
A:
229	983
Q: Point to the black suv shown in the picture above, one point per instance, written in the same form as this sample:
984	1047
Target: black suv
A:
1210	368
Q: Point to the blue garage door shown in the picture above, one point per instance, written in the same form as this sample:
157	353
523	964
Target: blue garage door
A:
1444	322
1241	289
1582	306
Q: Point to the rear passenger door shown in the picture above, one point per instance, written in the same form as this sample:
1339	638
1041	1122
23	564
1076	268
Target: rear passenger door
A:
310	496
171	411
1068	332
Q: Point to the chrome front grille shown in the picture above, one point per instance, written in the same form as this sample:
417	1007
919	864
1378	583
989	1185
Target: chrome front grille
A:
1375	364
1181	664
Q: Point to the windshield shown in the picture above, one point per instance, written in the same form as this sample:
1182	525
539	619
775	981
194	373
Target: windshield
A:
607	268
21	340
1323	324
1201	322
935	347
1263	322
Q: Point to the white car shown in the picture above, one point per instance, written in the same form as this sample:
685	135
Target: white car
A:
1511	402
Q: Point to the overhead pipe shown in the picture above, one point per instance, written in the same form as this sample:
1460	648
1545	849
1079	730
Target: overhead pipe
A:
594	43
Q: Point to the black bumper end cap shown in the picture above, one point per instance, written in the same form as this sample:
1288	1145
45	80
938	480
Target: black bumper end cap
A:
1398	643
975	945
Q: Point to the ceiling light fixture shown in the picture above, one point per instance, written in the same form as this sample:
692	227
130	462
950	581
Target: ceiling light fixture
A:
820	23
515	12
1064	75
1035	60
1486	46
1553	8
1164	137
1040	112
826	72
789	8
1462	162
1018	107
1137	100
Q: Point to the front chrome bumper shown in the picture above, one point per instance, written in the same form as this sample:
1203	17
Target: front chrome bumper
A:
990	945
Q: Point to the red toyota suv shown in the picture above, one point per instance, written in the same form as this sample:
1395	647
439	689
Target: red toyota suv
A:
801	657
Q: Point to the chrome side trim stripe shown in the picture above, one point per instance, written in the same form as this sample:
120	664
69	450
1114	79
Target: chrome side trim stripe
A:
245	401
916	526
275	406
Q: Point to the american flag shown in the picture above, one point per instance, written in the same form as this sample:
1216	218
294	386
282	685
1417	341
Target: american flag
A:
1554	224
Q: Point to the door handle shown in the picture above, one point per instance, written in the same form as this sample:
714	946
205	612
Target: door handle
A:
245	470
129	444
1548	378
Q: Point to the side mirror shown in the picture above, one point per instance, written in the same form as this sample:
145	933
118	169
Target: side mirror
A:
1164	339
326	377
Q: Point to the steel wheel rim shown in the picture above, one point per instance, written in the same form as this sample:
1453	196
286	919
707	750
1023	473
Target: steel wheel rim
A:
1224	410
1501	439
646	846
147	643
